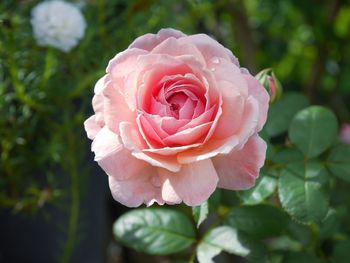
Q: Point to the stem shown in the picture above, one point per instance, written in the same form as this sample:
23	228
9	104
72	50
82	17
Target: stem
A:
74	209
244	32
48	68
322	53
193	256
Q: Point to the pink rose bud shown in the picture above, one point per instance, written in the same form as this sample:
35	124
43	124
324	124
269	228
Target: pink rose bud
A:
344	134
175	118
270	82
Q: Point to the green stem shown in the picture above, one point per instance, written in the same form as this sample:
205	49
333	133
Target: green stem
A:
193	256
74	209
48	68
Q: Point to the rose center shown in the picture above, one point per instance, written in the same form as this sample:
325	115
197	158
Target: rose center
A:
174	107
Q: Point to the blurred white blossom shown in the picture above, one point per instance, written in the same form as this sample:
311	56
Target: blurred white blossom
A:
58	24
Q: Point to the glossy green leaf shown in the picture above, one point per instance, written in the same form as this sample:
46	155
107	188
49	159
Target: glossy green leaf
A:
339	162
264	187
259	221
301	192
288	155
200	212
284	243
313	130
155	231
299	232
330	225
228	239
281	112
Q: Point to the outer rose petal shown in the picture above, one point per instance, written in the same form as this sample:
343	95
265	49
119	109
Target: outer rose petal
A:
209	47
123	63
92	127
239	169
98	99
112	156
143	188
173	47
192	185
232	111
149	41
260	94
99	86
115	108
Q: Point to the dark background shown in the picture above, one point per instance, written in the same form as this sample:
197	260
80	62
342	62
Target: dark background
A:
55	202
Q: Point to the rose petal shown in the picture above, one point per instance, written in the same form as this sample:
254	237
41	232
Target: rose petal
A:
149	41
172	150
173	47
188	136
209	47
172	125
239	169
187	110
115	108
224	70
112	156
105	143
204	118
260	94
192	185
232	111
155	121
211	148
123	64
133	141
143	188
147	73
249	121
92	127
99	86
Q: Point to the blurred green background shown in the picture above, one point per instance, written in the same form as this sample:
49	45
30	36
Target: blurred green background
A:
45	94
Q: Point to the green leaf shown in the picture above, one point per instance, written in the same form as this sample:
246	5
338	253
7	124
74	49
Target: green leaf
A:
155	231
301	257
301	192
284	243
288	155
341	253
313	130
339	162
228	239
283	111
330	225
259	221
200	212
264	187
299	232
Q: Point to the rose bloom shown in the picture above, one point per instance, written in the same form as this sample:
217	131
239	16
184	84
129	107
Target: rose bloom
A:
175	118
58	24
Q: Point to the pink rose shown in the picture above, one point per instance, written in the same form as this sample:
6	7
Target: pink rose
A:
344	134
176	117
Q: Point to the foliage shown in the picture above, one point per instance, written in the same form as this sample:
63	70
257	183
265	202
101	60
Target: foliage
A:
298	209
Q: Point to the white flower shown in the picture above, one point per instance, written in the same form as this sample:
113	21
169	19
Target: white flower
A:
58	24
